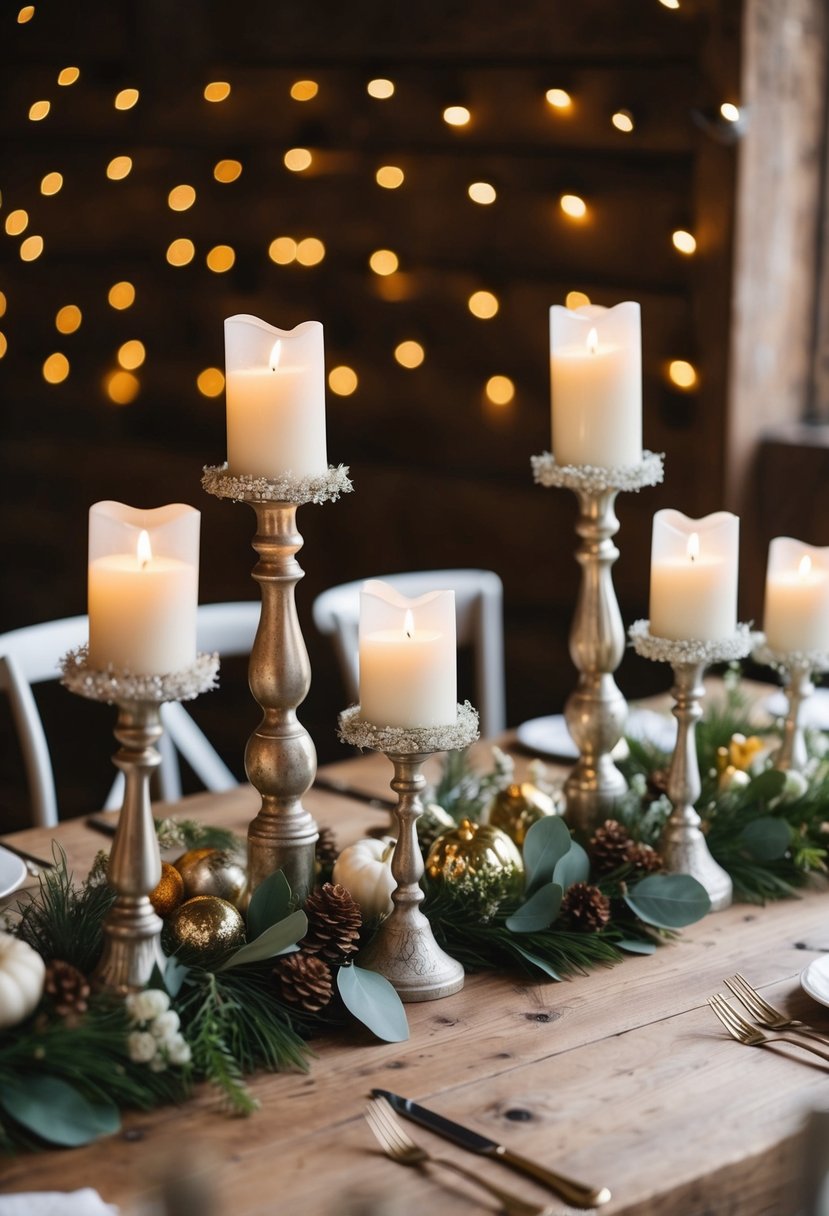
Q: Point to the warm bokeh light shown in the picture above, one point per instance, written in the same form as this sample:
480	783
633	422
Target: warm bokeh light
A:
500	390
68	319
384	261
25	14
297	159
682	374
181	251
217	90
342	380
483	193
456	116
51	183
409	354
310	251
304	90
730	112
380	88
68	75
119	168
126	99
210	382
483	304
389	177
31	248
181	197
559	99
684	241
17	222
38	110
395	287
623	121
121	387
227	170
576	299
121	295
4	346
3	304
55	368
220	258
573	205
670	3
131	354
282	250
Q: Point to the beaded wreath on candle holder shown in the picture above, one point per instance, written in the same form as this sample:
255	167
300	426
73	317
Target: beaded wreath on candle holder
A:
114	685
691	650
591	479
327	487
404	741
784	660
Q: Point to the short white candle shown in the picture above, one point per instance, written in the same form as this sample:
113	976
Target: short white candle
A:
596	379
143	587
796	615
275	390
694	571
408	658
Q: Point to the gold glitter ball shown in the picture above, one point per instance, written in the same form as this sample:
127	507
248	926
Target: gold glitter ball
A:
515	809
170	890
207	925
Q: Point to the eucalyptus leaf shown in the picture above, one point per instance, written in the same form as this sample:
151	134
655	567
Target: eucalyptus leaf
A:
374	1002
574	866
538	912
175	973
632	946
766	839
540	963
669	901
57	1112
547	841
269	904
764	788
281	938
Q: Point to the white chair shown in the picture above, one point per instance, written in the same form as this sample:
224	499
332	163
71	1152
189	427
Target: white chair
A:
479	608
31	655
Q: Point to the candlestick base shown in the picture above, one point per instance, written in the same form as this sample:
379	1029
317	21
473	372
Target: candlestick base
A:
797	669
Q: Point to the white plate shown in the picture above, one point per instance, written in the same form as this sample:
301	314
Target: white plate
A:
12	871
814	711
814	979
550	737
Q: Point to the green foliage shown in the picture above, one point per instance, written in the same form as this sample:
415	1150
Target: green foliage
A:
539	911
374	1002
188	834
63	920
464	792
668	901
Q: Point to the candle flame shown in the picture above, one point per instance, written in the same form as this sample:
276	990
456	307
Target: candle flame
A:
408	623
805	567
693	546
593	341
276	354
144	549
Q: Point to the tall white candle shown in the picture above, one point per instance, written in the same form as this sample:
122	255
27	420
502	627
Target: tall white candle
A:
796	615
408	657
275	390
596	379
143	587
694	570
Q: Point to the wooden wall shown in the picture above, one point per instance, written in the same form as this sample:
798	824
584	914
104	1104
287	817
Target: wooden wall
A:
442	475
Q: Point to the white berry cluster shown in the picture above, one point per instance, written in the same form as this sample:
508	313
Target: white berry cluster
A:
156	1039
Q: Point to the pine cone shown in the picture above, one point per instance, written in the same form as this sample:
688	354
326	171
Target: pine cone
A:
585	907
643	857
326	847
609	846
334	922
67	986
303	980
657	783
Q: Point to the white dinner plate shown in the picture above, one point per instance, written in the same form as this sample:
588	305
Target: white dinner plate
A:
550	737
12	871
814	711
814	979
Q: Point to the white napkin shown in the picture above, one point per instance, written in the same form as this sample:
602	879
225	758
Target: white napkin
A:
56	1203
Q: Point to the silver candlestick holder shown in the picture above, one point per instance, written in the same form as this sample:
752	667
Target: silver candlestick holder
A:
683	846
404	949
596	711
132	930
280	758
797	669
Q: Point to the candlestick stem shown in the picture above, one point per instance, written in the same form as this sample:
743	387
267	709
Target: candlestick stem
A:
798	687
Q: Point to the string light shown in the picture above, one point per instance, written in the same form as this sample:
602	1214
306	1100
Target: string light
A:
343	380
210	382
684	241
126	99
181	197
576	299
500	390
483	304
121	295
728	110
181	251
220	258
119	168
131	354
384	261
25	14
409	354
4	346
682	374
31	248
573	205
55	368
217	90
38	110
67	76
17	222
51	183
304	90
282	250
623	121
559	99
483	193
227	170
3	304
297	159
380	88
121	387
456	116
68	319
310	251
389	177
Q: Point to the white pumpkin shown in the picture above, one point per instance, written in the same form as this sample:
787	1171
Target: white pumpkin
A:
364	869
22	972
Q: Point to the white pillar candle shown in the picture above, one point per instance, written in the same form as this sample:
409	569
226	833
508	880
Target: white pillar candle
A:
596	379
143	587
275	390
694	567
796	615
408	657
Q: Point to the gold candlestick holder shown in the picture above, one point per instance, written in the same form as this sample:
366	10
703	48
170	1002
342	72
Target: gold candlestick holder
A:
404	949
683	846
797	669
132	931
596	711
280	758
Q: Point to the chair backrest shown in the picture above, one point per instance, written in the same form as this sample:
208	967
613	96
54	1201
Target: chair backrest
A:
31	655
479	609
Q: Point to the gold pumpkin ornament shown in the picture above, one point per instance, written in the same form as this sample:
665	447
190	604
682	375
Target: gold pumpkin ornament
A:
212	872
479	861
170	890
516	808
207	925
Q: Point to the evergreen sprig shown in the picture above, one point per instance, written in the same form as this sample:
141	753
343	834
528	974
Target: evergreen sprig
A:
64	920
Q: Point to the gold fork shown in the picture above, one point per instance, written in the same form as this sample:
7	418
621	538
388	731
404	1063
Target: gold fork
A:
766	1014
399	1146
744	1032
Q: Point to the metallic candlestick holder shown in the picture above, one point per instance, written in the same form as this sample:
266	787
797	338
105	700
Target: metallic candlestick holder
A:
596	711
404	949
797	669
280	758
683	846
132	931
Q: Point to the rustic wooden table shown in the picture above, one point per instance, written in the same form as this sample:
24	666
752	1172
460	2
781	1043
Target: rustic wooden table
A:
622	1077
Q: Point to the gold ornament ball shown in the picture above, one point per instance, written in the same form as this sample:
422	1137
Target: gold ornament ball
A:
207	924
190	858
515	809
170	890
478	859
215	872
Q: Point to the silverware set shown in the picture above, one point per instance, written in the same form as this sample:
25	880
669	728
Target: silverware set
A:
764	1018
